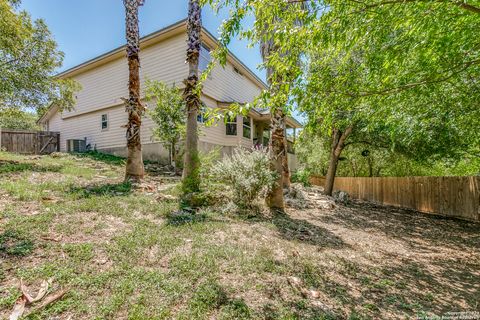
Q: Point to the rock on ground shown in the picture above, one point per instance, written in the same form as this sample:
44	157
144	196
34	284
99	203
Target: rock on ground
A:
300	197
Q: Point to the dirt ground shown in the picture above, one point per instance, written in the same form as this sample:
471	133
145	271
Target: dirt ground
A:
437	258
123	255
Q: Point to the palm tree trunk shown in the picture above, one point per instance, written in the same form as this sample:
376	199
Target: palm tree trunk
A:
191	179
134	169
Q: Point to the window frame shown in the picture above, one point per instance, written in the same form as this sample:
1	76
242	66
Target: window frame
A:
231	123
104	121
249	127
204	48
201	114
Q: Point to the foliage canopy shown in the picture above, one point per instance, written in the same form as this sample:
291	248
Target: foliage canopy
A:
28	60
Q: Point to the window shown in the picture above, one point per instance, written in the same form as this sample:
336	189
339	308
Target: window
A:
231	126
266	137
201	116
204	57
247	129
104	122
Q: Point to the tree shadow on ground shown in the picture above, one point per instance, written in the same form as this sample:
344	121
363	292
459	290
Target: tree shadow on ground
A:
11	166
438	272
102	157
297	309
181	217
110	189
419	230
304	231
437	286
390	288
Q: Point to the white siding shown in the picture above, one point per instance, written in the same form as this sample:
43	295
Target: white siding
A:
89	126
227	85
104	86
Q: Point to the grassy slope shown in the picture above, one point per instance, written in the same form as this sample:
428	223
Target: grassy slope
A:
124	256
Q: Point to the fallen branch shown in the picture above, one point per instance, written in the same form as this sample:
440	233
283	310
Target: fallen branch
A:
26	299
50	299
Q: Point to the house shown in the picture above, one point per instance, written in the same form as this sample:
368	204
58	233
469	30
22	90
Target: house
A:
99	114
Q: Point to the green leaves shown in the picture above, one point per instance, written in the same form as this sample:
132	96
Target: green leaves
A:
169	112
17	119
404	72
28	60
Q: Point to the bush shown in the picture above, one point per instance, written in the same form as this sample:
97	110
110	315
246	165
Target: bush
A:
246	175
302	176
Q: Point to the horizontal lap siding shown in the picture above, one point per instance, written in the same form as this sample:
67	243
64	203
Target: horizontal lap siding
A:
89	126
216	133
104	86
226	85
164	61
107	84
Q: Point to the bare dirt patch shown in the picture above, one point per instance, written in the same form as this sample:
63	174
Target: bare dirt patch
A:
319	260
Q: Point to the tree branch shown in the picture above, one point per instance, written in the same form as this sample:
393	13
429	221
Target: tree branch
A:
411	85
460	4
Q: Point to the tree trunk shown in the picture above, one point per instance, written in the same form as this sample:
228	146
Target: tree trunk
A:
338	144
173	156
134	168
278	141
278	153
370	166
191	178
285	168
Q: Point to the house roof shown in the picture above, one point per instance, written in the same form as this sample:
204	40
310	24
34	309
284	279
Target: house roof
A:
154	38
263	114
151	39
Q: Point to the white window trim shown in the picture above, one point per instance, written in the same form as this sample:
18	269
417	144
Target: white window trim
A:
235	122
207	48
107	121
201	113
249	127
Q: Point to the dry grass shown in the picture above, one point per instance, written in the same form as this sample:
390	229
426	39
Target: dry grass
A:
123	257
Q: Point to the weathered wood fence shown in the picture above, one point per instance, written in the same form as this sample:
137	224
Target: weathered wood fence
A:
29	142
449	196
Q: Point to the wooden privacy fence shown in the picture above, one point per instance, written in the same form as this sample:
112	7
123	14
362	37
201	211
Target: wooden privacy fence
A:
29	142
449	196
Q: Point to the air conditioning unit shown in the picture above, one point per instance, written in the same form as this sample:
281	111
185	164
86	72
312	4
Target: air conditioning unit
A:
76	145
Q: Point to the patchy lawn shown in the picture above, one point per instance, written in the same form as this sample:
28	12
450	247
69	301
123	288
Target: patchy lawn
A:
123	255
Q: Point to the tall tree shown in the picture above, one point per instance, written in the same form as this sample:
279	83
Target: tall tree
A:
282	63
29	58
134	106
277	143
191	177
414	123
406	83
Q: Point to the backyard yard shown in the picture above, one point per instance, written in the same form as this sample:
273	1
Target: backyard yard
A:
120	253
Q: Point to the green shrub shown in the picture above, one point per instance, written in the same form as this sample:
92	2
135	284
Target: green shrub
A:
302	176
245	176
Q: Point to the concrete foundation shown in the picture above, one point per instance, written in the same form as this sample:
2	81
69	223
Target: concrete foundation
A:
158	153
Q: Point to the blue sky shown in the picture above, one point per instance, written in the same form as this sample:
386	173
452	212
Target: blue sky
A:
87	28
